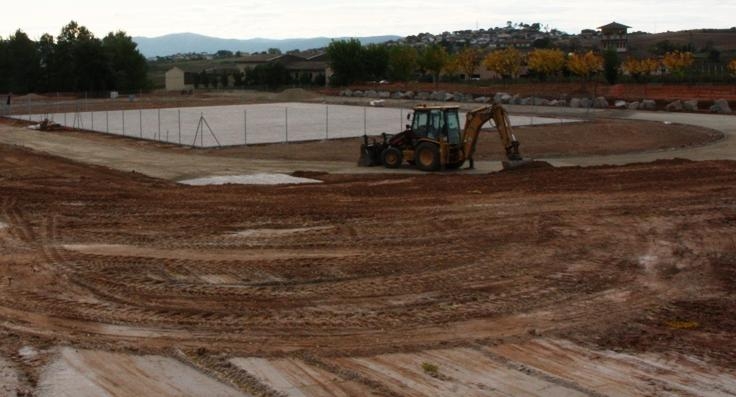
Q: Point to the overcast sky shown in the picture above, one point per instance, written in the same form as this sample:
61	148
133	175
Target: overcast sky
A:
311	18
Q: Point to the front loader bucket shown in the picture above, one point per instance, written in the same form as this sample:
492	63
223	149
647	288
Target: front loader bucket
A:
370	155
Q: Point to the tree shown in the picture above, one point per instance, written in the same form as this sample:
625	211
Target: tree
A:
402	62
274	51
677	62
611	64
272	75
204	79
468	60
375	59
24	63
506	63
346	61
128	66
585	65
433	59
47	52
224	79
546	62
640	69
451	68
238	78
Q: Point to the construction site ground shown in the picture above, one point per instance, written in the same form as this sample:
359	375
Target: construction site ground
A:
600	280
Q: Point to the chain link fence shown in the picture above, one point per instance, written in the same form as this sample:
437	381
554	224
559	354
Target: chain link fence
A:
229	125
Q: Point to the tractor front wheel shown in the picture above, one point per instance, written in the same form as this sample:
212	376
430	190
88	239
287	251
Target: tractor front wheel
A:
392	157
427	156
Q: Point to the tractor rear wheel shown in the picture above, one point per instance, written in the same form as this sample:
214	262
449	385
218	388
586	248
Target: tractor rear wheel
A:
427	156
392	157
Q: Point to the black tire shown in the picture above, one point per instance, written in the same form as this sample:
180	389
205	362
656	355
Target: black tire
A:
427	156
392	157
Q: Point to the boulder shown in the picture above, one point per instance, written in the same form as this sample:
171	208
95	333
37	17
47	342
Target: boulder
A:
481	99
448	97
586	103
575	103
690	106
437	95
358	93
601	103
561	103
515	100
634	106
620	104
721	106
409	95
554	102
539	101
502	97
675	106
347	92
370	94
397	95
384	94
526	101
648	104
422	96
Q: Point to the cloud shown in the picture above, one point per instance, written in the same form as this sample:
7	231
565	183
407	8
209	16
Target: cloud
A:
299	18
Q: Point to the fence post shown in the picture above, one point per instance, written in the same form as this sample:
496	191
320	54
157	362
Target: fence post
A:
123	115
159	123
92	114
365	120
179	118
140	120
245	127
107	122
286	124
327	121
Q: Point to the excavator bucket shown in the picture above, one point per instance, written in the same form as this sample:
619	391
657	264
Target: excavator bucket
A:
370	153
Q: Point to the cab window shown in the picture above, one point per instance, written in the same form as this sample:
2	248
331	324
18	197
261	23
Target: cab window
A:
419	126
453	128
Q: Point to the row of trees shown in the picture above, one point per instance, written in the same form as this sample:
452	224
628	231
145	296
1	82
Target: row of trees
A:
73	61
353	62
270	75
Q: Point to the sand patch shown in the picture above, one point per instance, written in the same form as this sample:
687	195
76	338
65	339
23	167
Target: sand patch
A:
252	179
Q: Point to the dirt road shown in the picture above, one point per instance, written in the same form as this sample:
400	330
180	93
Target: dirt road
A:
594	281
577	143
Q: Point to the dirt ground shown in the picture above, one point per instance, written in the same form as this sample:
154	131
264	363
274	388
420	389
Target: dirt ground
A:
571	281
591	137
594	137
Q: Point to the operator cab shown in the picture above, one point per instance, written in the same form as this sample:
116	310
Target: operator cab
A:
437	123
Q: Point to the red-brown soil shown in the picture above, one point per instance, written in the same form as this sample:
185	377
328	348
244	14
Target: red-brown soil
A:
637	258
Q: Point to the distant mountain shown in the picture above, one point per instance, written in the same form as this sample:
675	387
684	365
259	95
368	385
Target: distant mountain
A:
180	43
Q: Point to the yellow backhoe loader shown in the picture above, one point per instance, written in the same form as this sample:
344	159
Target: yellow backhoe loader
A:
434	141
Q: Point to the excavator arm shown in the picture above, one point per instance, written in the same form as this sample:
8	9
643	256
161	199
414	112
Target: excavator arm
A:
475	120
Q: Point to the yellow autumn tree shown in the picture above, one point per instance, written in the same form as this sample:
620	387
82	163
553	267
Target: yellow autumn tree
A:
732	67
452	66
506	63
546	62
639	69
585	65
468	59
677	62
